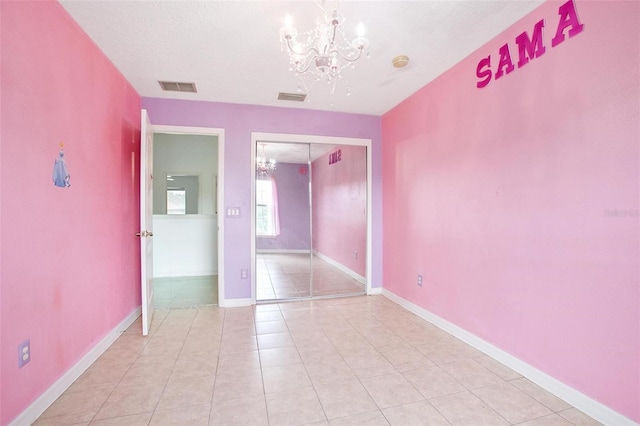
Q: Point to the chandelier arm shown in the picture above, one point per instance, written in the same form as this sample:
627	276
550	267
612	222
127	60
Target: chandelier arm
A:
308	65
305	53
335	51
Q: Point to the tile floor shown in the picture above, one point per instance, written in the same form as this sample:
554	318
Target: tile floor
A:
286	276
185	292
351	361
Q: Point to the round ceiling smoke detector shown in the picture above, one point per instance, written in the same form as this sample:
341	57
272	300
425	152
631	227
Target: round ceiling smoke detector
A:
400	61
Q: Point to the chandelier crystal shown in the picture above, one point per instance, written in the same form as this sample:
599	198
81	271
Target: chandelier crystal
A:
264	166
324	51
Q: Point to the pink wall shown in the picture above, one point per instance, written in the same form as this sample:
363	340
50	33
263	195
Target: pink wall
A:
239	121
339	193
502	197
70	259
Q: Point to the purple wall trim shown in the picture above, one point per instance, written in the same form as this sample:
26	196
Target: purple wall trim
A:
239	121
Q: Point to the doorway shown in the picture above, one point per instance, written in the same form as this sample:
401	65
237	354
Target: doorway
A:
188	235
310	217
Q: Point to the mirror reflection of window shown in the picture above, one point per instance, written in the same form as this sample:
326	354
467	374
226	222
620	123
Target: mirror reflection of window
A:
176	201
266	208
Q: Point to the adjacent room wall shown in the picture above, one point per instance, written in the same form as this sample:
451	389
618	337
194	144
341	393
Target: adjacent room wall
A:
518	202
293	207
187	155
70	257
185	245
340	207
239	121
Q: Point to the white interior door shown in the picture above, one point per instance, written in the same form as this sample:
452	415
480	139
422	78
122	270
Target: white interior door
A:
146	220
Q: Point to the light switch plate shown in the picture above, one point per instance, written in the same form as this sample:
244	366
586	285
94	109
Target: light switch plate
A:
233	212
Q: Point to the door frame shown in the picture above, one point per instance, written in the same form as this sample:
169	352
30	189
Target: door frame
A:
309	139
209	131
146	222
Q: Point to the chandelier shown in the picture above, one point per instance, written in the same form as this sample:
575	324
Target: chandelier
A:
264	166
324	51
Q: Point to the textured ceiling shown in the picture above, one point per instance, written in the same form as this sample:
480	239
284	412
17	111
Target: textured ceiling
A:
231	49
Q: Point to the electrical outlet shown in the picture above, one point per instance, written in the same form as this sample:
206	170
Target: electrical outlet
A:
244	274
356	254
24	353
419	280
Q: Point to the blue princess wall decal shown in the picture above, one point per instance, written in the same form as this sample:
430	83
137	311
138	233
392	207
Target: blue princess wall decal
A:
61	175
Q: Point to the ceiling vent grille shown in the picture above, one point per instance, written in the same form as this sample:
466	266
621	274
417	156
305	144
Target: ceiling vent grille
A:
173	86
297	97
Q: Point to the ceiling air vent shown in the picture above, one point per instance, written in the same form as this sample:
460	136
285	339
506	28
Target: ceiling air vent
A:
174	86
297	97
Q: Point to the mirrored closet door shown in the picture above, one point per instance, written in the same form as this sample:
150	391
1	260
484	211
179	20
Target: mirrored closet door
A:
283	221
311	220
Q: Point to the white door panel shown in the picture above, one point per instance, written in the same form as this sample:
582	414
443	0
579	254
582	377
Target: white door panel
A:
146	220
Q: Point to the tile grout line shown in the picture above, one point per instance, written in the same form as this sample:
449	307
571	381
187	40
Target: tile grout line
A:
356	316
164	388
215	379
264	390
120	381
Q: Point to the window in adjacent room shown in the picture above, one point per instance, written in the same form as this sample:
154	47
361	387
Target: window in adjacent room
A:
176	201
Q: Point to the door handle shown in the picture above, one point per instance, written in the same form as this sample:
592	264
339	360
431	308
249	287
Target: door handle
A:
144	234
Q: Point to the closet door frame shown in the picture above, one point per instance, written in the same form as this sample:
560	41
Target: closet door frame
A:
308	139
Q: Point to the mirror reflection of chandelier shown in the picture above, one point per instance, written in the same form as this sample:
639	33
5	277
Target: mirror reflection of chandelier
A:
264	166
325	50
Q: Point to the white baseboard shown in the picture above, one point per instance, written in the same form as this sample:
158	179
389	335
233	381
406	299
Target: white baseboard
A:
341	267
235	303
283	251
49	396
374	291
582	402
188	274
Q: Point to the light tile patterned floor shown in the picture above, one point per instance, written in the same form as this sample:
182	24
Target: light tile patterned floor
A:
284	276
352	361
185	292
